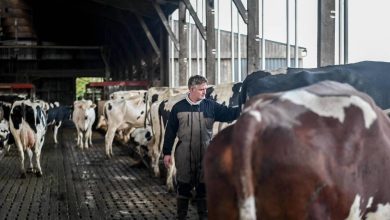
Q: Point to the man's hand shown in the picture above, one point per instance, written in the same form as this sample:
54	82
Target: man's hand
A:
167	161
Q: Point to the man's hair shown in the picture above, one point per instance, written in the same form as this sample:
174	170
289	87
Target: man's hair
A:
196	80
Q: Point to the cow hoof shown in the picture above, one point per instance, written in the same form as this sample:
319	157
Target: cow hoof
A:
38	174
30	170
23	176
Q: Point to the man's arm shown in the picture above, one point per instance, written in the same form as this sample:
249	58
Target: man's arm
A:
224	113
170	132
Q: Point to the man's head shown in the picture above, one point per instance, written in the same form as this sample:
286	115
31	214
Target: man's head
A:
197	86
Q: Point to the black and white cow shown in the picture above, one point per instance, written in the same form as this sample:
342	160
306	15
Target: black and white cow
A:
4	134
368	76
56	115
28	127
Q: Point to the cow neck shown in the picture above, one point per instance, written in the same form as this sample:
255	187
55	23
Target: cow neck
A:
191	102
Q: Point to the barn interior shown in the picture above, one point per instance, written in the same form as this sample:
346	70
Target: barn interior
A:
50	43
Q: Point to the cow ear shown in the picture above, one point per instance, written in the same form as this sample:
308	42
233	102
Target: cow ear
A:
93	106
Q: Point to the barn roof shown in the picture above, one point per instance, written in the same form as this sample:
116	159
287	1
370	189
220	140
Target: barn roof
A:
82	30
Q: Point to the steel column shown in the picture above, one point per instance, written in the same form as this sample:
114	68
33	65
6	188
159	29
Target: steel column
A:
326	33
253	36
183	52
210	43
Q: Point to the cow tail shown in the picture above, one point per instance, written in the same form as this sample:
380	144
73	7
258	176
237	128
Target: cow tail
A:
162	126
243	151
105	112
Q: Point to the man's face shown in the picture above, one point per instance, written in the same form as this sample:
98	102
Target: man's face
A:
198	92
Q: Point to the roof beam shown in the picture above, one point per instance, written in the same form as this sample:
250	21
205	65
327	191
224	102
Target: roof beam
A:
149	35
127	6
193	14
241	9
166	25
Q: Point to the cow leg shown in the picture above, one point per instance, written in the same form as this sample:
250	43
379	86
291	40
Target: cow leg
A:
21	157
171	173
37	154
81	139
156	153
109	138
86	137
56	127
78	136
7	147
30	161
90	136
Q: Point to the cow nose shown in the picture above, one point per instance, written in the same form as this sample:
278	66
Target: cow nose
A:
148	136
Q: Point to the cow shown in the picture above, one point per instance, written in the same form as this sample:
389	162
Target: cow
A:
368	77
83	117
118	95
28	127
56	115
157	94
123	114
317	152
6	102
142	137
227	94
127	94
4	134
133	112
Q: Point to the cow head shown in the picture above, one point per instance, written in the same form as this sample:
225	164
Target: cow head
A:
4	133
142	136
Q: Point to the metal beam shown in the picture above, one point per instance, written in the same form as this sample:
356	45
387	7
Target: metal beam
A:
166	25
105	53
193	14
149	35
210	43
127	6
52	47
183	53
326	33
253	38
346	32
241	9
55	73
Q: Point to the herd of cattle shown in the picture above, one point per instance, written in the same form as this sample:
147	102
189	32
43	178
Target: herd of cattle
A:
309	144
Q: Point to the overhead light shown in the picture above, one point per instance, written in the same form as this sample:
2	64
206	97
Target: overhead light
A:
304	52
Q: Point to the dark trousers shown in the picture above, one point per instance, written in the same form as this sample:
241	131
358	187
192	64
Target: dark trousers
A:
184	194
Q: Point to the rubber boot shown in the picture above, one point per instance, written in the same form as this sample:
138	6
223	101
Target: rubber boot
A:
182	208
202	208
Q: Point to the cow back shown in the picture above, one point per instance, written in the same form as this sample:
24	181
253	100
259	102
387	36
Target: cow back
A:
313	153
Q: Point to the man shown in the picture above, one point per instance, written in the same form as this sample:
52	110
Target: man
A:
191	120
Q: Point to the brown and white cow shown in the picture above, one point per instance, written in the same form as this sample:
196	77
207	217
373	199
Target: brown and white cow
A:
319	152
28	127
83	117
